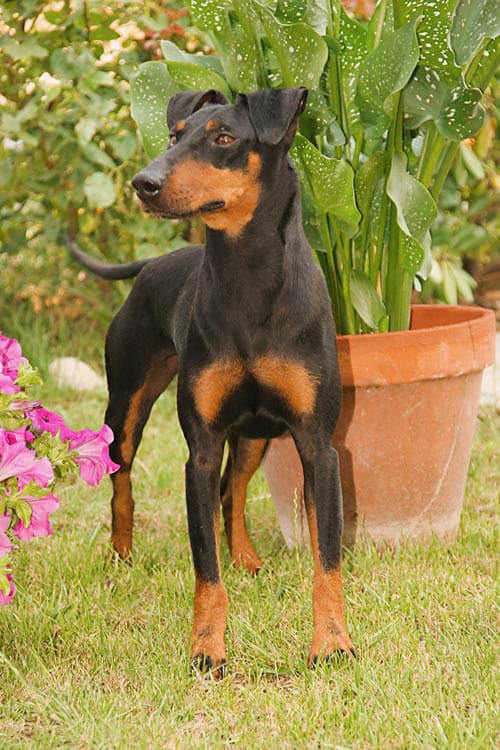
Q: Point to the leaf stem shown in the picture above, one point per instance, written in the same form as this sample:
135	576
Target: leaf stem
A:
449	155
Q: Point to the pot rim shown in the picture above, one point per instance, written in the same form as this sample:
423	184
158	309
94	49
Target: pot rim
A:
444	341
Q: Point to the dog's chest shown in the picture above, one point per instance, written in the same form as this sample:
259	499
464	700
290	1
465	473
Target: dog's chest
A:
270	384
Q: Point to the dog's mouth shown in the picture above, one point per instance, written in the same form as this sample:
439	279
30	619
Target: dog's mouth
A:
169	213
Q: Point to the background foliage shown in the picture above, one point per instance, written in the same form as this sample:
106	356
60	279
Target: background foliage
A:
389	103
68	151
68	147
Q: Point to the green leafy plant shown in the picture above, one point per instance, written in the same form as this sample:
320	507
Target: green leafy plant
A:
389	104
68	148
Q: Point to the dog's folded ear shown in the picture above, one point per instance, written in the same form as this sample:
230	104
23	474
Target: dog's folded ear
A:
185	103
274	113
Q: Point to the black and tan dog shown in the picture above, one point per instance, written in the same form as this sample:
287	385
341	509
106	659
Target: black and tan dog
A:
246	323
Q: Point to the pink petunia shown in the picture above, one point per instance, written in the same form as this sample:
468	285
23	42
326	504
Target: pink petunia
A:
93	453
39	525
16	460
5	544
6	597
10	361
44	420
19	435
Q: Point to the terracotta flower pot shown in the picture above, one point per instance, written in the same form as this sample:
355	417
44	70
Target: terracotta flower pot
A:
404	437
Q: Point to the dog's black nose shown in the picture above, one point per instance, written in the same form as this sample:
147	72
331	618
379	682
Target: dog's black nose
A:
147	184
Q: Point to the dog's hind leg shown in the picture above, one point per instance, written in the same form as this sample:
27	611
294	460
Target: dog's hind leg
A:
243	461
139	368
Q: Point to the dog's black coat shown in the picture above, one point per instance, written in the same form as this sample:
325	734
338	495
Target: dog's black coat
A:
246	322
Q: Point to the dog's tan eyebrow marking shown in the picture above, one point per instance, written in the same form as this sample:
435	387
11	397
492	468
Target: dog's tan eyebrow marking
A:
212	125
180	126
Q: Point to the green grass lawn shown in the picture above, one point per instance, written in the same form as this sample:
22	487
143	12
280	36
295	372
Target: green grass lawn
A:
95	654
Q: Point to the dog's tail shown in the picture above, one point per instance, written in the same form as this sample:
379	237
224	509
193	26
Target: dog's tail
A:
106	270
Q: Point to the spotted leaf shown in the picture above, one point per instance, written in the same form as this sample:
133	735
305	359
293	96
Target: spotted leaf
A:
416	210
456	111
383	73
300	51
150	89
366	301
331	182
473	21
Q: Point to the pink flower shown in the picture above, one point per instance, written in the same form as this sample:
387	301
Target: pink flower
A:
19	435
16	460
5	545
93	453
5	598
44	420
10	360
41	507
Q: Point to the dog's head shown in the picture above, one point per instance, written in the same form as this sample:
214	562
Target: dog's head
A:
213	165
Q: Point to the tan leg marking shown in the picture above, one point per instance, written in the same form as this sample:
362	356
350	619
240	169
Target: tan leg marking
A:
244	465
210	611
290	379
330	631
214	384
157	379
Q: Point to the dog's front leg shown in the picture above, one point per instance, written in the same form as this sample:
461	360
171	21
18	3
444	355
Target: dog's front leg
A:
203	509
323	499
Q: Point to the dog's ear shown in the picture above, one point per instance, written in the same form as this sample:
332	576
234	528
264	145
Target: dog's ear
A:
274	113
185	103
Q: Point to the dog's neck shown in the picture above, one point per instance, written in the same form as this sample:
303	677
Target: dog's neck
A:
264	239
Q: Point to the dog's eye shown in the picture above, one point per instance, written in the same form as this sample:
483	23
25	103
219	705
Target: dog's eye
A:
173	139
224	139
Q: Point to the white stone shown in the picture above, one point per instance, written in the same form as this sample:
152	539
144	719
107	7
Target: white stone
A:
70	372
490	388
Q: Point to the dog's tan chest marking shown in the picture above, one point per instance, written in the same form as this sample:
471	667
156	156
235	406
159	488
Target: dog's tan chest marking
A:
290	379
214	384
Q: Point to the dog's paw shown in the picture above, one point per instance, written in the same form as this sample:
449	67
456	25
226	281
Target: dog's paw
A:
209	665
249	561
331	651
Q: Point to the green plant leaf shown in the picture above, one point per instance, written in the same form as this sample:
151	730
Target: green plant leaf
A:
416	210
317	15
464	282
99	190
291	11
150	90
19	51
473	21
332	184
366	180
241	58
191	76
384	72
69	63
457	111
301	52
353	38
172	53
365	299
93	153
433	33
124	145
448	284
310	218
208	14
104	33
85	129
